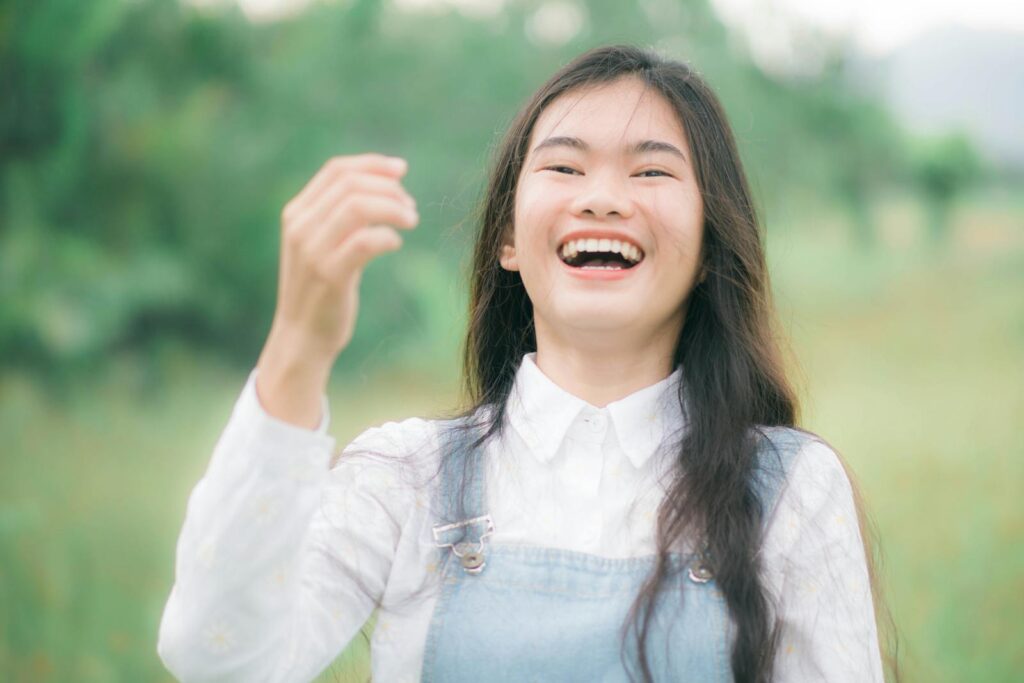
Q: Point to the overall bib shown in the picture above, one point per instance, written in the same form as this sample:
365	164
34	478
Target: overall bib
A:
512	613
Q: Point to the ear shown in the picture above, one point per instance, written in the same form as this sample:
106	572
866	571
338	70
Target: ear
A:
507	258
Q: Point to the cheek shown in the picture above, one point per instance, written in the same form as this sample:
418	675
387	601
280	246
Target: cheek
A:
539	196
532	226
683	237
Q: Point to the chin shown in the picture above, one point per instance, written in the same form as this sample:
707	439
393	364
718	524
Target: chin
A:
598	319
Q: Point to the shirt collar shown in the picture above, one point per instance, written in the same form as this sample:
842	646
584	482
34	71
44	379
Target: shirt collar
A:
541	412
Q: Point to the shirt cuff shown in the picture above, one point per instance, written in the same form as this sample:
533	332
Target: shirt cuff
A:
312	447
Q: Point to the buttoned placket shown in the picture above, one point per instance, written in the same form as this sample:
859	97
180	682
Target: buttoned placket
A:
583	470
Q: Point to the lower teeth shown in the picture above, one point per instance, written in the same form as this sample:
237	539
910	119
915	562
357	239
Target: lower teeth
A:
601	268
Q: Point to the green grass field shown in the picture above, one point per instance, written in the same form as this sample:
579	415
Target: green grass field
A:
911	363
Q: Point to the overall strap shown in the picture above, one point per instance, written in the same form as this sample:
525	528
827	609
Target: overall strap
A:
773	459
777	448
464	528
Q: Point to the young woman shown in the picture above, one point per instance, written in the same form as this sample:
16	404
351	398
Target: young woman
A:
626	497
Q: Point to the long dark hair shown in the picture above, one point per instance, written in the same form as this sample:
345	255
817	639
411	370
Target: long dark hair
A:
733	372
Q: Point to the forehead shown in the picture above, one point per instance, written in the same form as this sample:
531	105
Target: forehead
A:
610	113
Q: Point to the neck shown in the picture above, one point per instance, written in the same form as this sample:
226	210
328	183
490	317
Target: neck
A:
601	368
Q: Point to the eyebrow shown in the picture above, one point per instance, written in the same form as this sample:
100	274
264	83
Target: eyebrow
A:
638	148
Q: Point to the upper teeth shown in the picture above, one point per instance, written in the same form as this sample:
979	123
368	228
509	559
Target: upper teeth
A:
574	247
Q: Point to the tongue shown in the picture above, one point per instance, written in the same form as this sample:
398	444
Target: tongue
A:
600	262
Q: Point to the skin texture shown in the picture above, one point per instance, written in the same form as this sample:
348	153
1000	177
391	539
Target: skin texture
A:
604	339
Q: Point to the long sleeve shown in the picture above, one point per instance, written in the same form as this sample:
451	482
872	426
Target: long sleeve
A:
281	559
817	567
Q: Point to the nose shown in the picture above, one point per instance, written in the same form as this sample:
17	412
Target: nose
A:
604	194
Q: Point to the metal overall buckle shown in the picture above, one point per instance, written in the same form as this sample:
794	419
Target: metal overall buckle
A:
700	569
471	555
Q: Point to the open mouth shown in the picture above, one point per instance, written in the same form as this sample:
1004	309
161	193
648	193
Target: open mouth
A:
600	254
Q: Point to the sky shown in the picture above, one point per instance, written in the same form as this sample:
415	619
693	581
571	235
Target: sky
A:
876	27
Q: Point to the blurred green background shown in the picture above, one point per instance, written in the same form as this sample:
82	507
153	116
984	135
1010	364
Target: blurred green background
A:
147	148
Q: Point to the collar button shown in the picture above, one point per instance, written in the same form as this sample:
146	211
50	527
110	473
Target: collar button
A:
596	422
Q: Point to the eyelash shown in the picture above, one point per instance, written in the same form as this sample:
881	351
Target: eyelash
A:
653	170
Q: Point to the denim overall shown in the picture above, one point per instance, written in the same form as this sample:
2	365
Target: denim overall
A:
520	613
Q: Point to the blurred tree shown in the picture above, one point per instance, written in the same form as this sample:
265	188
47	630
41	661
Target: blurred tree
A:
147	147
828	140
98	135
943	167
865	147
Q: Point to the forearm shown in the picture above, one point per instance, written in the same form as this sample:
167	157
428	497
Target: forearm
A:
237	603
291	379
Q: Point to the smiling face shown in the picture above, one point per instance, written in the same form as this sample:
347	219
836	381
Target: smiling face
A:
609	162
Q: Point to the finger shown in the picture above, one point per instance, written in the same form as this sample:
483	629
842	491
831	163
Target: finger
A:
354	253
354	184
354	213
336	167
394	167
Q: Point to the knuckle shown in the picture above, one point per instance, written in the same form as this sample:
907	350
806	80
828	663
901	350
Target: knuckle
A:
323	270
309	254
357	243
289	211
356	207
346	185
361	246
337	164
292	236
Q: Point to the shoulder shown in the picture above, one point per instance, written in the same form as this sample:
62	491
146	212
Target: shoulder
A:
386	470
811	492
812	536
393	438
376	477
794	448
800	467
785	441
414	442
406	436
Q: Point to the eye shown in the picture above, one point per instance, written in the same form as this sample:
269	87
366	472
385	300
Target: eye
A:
643	174
561	169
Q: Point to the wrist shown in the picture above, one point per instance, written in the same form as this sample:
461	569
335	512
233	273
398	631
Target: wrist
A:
290	352
291	379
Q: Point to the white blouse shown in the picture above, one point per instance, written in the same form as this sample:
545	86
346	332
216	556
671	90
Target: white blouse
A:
273	534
